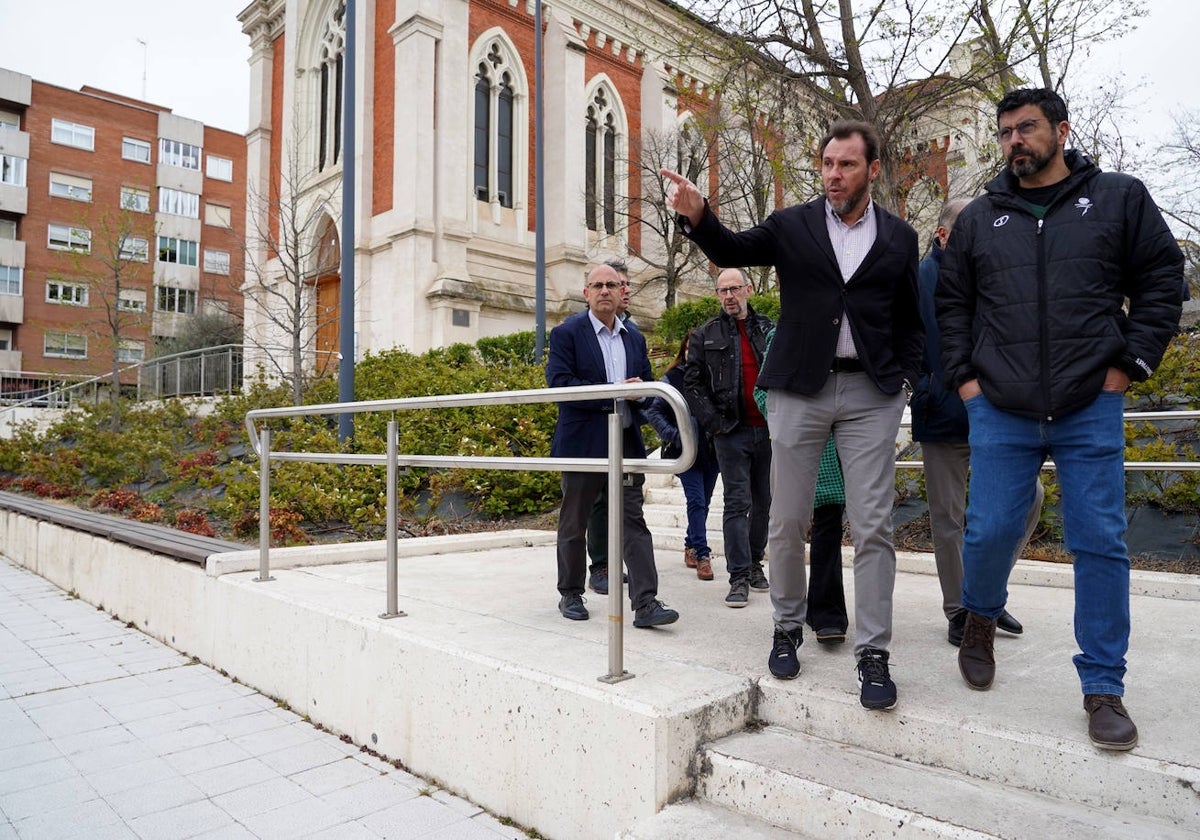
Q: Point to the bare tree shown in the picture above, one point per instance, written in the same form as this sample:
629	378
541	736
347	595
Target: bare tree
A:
287	252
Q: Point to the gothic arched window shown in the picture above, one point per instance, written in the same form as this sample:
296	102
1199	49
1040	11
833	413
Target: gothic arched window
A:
331	56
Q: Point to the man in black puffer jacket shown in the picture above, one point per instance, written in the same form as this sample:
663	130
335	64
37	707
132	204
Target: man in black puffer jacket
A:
1038	342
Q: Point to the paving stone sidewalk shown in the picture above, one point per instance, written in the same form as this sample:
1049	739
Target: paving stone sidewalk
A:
107	733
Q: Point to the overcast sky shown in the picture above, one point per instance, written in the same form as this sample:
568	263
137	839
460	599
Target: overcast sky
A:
194	58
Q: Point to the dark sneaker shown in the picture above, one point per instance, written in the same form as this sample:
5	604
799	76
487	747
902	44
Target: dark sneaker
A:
598	582
689	558
831	635
955	633
758	580
1109	726
877	691
976	654
739	594
704	567
1009	624
784	662
571	606
654	614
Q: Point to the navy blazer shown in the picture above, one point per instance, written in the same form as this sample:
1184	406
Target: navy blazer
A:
881	297
575	359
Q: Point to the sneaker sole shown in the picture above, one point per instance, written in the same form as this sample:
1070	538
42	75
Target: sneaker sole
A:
779	676
764	589
737	605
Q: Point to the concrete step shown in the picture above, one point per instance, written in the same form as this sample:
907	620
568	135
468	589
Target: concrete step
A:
698	819
822	788
985	756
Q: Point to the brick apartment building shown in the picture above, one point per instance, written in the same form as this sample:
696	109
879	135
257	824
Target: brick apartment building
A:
110	209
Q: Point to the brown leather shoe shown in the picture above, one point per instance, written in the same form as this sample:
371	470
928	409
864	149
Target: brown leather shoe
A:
689	558
704	568
1109	726
976	657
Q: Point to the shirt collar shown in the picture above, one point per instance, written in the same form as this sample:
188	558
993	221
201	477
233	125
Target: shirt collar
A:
869	213
598	325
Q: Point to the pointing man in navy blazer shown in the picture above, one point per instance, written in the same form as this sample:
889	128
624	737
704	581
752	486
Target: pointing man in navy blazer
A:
847	346
595	348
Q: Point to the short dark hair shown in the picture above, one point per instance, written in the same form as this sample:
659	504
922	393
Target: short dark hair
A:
1051	103
618	265
843	129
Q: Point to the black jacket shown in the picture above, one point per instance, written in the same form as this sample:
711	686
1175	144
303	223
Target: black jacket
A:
1033	308
712	375
881	296
938	415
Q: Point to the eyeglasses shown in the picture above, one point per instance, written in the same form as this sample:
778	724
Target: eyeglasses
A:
610	285
731	290
1024	128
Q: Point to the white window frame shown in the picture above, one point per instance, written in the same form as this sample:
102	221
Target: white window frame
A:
11	280
136	150
78	135
135	200
10	120
12	170
173	299
178	203
134	249
218	168
66	293
67	238
8	230
178	153
63	349
216	262
218	215
72	187
129	351
178	247
132	300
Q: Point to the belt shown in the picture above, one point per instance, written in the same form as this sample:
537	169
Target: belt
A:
847	366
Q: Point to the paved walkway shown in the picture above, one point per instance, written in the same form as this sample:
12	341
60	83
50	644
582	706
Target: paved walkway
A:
106	733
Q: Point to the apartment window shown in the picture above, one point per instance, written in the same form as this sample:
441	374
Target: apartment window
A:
132	149
134	248
218	215
72	294
219	168
9	120
10	280
170	299
132	300
179	251
12	170
70	186
178	203
8	229
177	153
131	351
67	238
216	262
57	344
72	134
6	339
134	199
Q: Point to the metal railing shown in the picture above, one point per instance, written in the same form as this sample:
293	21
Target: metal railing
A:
615	465
204	372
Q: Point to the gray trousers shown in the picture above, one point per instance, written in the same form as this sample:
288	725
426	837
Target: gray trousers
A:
946	466
864	422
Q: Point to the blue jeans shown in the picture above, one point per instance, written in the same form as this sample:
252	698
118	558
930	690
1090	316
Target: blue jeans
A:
744	456
1088	448
698	484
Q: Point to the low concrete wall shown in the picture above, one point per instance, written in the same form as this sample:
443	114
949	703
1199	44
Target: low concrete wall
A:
510	716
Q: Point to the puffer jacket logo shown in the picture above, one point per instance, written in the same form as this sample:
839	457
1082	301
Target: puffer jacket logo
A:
1084	204
1001	222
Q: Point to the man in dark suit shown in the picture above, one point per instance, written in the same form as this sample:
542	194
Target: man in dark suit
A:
847	347
596	348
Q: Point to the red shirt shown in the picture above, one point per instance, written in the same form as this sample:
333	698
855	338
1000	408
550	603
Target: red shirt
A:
753	417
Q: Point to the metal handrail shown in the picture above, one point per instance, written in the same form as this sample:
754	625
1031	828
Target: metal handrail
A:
615	465
1130	466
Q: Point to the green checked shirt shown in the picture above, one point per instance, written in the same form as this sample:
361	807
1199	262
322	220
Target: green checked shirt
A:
831	487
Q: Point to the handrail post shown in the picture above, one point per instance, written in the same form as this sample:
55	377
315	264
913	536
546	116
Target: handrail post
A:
264	505
616	560
392	610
